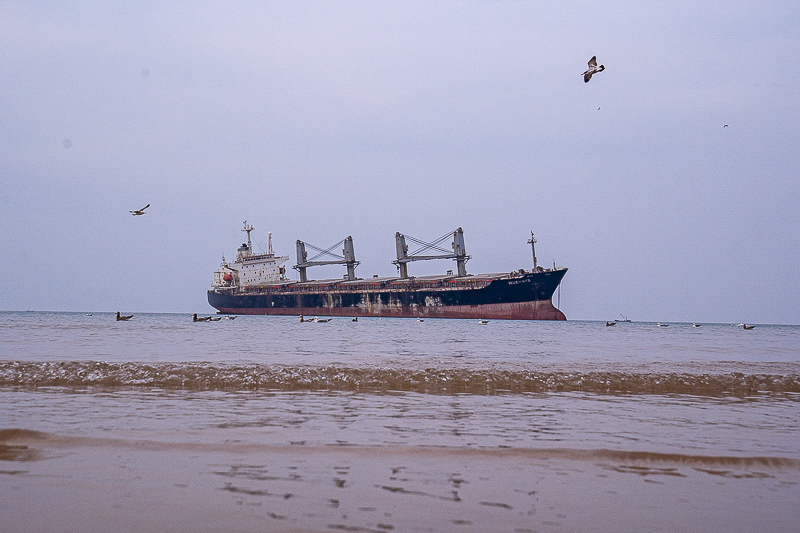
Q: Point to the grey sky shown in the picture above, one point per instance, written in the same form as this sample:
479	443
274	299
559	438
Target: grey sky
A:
320	120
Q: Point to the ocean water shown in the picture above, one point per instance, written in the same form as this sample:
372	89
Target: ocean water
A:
270	424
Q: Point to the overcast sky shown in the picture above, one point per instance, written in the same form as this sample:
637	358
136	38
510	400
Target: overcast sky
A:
319	120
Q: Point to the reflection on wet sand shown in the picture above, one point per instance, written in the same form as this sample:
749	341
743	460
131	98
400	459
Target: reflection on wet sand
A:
380	488
21	445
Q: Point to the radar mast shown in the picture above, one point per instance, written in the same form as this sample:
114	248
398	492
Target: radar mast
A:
248	229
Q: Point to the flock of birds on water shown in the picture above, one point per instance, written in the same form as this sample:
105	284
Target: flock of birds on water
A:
317	320
664	325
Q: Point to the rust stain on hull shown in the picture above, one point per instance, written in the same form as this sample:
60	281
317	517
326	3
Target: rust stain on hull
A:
539	310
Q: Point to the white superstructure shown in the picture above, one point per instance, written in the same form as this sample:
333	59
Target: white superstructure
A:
249	269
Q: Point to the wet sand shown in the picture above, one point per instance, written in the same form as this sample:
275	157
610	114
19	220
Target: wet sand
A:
68	483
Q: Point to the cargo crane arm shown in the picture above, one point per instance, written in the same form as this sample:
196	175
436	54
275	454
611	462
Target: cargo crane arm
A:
349	258
459	253
415	256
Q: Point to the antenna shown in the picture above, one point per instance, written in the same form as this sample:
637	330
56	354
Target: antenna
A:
269	233
532	242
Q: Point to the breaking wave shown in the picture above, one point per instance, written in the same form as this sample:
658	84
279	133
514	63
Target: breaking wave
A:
215	376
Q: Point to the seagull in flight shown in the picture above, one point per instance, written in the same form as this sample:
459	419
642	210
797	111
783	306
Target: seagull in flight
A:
593	69
140	211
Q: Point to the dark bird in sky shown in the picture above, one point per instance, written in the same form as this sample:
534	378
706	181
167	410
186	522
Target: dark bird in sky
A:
140	211
725	126
593	69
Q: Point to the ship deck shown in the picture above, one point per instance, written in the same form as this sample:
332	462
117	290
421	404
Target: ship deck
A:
440	282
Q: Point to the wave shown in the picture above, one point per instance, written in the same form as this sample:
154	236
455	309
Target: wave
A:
18	444
488	381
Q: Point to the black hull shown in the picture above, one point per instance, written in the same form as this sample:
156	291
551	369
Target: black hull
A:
523	297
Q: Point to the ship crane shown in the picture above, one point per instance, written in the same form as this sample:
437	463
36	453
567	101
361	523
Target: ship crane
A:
459	251
348	259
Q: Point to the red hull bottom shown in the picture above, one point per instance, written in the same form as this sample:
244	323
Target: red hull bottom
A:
539	310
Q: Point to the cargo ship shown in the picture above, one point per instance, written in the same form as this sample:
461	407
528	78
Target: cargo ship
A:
257	284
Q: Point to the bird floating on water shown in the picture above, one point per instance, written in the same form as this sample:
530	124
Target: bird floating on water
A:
593	69
136	212
610	323
123	317
482	322
745	326
196	318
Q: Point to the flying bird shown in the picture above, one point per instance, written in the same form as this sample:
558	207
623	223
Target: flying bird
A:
140	211
593	69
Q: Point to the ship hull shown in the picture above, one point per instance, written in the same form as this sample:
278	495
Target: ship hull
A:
525	297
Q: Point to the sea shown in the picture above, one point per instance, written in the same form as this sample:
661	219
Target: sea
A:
259	423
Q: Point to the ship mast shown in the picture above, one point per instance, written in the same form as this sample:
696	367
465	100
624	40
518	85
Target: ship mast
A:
532	242
248	229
